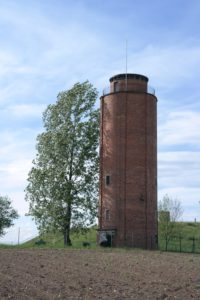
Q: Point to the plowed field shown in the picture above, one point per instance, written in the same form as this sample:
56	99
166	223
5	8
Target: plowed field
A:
95	274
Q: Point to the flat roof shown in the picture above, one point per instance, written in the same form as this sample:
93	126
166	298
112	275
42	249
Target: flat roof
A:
129	76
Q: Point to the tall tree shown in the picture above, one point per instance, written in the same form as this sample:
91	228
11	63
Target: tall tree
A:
63	182
7	214
169	212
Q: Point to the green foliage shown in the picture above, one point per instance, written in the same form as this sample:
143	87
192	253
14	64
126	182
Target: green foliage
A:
191	224
7	214
63	183
169	212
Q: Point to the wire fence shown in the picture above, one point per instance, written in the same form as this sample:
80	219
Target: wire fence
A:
180	244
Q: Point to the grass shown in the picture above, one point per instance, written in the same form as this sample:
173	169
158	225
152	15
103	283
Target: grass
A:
56	241
188	231
187	238
6	246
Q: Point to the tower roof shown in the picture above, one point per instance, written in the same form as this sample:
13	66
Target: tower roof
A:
129	76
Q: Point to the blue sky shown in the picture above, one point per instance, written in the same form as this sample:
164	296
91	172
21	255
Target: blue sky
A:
47	46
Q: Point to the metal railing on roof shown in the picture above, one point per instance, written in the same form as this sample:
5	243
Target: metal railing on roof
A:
107	90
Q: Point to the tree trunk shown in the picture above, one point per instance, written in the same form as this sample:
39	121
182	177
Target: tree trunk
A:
67	240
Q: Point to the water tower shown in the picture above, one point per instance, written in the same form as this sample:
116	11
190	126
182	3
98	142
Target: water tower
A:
128	163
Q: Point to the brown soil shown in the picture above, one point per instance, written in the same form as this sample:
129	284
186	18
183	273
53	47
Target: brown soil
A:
95	274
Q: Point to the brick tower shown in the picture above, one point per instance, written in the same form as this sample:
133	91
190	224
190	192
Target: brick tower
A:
128	164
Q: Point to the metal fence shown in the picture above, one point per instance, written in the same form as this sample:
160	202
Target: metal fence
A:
107	90
180	244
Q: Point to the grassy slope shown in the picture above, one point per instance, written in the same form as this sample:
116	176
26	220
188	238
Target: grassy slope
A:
188	231
56	240
190	238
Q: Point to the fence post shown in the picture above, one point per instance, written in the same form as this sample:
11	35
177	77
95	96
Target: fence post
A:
180	243
193	245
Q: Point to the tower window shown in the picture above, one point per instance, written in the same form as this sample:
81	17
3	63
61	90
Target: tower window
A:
141	197
107	215
107	179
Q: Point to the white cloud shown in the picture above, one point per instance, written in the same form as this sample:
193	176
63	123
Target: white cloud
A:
25	110
189	198
7	62
14	173
179	156
179	163
17	144
16	90
179	177
17	151
169	65
179	171
13	177
180	128
24	228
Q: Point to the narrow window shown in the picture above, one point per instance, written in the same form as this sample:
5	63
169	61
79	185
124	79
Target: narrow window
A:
107	215
141	197
107	179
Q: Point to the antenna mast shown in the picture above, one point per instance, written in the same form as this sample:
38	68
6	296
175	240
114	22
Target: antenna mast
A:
126	63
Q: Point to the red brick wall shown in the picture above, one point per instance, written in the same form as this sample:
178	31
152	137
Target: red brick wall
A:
128	154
